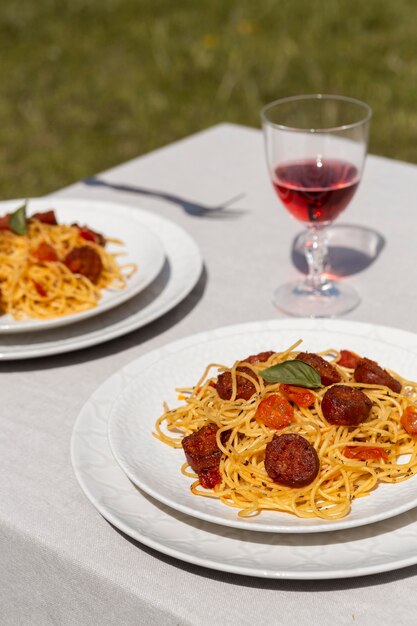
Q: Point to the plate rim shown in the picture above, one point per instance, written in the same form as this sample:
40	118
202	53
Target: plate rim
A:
312	525
89	410
35	325
145	316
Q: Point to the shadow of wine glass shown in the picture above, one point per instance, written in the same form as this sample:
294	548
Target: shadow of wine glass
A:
352	249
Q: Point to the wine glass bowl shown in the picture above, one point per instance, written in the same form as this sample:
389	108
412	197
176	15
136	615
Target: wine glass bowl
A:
316	147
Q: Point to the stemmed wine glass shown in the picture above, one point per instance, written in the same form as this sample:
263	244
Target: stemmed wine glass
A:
316	147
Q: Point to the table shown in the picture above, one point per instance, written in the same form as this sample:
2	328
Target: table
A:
61	562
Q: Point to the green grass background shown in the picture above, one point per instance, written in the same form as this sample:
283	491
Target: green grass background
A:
87	84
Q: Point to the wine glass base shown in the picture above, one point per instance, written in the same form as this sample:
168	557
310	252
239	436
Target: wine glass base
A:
299	299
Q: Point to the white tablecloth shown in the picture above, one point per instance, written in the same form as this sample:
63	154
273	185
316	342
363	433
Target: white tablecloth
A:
61	562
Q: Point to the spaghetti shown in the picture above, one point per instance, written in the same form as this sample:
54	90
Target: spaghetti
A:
353	459
52	270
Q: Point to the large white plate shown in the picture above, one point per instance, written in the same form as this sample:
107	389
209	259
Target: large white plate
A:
140	246
155	467
180	273
380	547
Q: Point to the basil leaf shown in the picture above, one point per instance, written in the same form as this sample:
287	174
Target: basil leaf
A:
17	221
293	373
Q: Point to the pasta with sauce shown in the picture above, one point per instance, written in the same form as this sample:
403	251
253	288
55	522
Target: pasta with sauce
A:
257	424
50	270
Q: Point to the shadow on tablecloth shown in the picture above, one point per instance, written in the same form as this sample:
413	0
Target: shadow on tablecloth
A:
352	249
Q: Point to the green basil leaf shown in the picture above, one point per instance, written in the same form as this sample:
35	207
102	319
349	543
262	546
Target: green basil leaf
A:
293	373
17	221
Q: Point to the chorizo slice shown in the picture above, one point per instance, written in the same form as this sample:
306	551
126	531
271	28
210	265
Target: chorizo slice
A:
371	373
291	460
201	450
345	406
245	388
46	217
261	357
328	373
203	454
86	261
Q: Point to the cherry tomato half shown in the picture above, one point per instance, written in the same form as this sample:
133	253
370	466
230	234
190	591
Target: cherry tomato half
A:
409	420
275	412
348	359
299	395
45	252
365	453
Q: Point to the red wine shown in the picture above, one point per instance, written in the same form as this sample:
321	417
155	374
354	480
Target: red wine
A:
316	191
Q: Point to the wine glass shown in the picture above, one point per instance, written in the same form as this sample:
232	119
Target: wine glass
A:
316	147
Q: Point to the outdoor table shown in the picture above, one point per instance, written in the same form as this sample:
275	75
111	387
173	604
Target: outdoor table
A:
61	561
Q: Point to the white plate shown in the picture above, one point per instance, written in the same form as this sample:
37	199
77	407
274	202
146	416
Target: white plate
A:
155	467
380	547
140	246
180	273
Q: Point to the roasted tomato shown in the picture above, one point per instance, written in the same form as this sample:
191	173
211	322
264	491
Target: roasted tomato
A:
348	359
41	291
275	412
409	420
209	478
4	222
45	252
301	396
365	453
91	235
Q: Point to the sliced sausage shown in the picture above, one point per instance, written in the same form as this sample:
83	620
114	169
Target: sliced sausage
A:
371	373
261	357
291	460
345	406
203	454
201	450
244	388
328	373
86	261
46	217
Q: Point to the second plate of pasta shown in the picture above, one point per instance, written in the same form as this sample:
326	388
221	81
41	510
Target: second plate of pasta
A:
365	471
63	261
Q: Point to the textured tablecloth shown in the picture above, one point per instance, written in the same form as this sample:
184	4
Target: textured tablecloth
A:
60	561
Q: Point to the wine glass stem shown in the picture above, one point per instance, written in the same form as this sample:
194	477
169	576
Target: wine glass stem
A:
315	250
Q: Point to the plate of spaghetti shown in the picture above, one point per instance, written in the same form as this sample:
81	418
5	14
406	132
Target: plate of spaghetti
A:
274	432
62	262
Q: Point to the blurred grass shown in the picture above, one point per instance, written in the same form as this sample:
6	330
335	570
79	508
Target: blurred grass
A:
86	85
